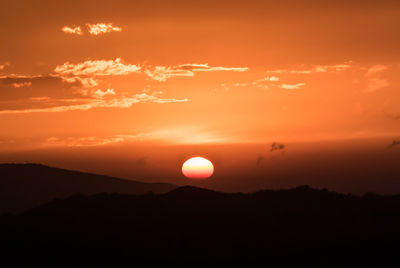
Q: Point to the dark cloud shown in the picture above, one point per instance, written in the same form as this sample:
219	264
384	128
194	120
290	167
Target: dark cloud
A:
395	143
24	87
38	79
20	92
277	146
141	161
395	116
260	159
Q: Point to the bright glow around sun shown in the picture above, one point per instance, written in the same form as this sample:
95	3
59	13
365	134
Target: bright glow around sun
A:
197	168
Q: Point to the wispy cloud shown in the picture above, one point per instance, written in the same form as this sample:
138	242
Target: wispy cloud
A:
376	69
87	82
206	68
295	86
173	135
271	78
39	98
22	84
19	81
72	30
21	76
98	101
88	141
97	68
93	29
102	28
374	78
101	94
375	84
303	69
162	73
264	83
268	79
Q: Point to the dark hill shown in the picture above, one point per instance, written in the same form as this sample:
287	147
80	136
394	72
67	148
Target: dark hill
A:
288	228
24	186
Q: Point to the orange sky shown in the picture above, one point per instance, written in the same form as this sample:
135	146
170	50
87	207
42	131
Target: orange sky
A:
183	73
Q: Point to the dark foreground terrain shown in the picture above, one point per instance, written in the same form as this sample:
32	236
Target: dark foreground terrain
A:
296	227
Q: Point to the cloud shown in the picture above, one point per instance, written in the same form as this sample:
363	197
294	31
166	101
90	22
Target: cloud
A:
206	68
71	85
38	84
376	69
266	79
14	87
375	84
144	97
295	86
4	65
87	82
374	80
394	116
96	102
86	73
86	141
265	83
277	146
394	143
315	69
101	140
20	76
271	78
97	68
40	98
93	29
141	161
240	84
101	94
22	84
102	28
162	73
259	160
72	30
177	135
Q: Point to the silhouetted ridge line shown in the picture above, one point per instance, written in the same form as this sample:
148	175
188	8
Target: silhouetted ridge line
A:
191	192
191	225
24	186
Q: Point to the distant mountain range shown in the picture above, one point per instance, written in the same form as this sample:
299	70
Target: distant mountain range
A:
299	227
23	186
73	219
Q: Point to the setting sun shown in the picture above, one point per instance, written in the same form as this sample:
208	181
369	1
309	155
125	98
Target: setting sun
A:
197	168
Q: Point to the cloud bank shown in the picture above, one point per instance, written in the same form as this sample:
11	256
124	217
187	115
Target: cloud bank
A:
162	73
72	30
93	29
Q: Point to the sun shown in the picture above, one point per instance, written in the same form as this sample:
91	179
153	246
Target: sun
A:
197	168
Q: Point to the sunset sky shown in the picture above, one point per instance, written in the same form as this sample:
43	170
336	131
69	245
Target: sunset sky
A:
132	88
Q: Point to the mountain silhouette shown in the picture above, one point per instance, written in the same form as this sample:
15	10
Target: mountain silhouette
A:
189	225
24	186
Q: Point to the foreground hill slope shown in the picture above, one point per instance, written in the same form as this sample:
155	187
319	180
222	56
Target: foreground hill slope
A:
295	227
24	186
